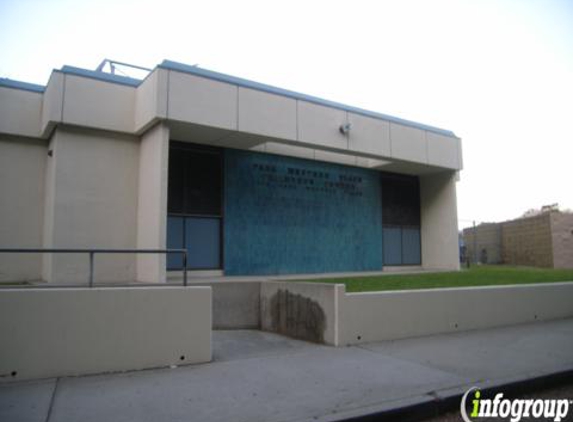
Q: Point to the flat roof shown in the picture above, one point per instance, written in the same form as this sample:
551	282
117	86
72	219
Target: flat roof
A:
221	77
26	86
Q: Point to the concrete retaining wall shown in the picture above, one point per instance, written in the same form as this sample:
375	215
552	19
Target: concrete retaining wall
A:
75	331
308	311
236	305
376	316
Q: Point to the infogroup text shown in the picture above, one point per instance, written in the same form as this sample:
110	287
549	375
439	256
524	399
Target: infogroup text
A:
515	409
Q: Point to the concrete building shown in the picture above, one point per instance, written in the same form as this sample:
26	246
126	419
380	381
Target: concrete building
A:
250	178
487	243
543	240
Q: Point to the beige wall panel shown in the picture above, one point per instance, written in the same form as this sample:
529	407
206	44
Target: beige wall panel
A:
146	101
369	135
319	125
288	150
152	203
237	140
162	91
199	100
22	168
98	104
53	102
364	162
259	148
49	209
408	143
63	332
378	316
439	231
267	114
20	112
333	157
151	99
443	151
94	204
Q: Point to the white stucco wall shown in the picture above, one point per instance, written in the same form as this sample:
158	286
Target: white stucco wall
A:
151	100
152	203
75	331
20	112
98	104
91	202
439	221
22	168
52	103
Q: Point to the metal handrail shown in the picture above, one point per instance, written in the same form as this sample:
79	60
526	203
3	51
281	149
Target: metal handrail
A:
92	253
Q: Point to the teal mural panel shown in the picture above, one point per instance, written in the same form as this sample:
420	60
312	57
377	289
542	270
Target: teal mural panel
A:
288	215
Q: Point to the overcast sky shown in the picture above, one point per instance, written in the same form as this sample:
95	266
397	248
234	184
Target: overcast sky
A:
497	73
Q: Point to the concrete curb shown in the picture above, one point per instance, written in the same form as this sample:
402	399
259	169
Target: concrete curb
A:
433	405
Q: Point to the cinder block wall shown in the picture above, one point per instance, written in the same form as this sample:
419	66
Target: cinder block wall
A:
528	241
562	238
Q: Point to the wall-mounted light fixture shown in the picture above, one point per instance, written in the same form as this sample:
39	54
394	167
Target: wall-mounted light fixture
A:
345	128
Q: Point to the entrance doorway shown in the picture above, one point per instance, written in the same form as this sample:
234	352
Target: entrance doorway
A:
401	219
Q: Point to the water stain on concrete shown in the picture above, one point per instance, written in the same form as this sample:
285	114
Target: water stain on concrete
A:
297	316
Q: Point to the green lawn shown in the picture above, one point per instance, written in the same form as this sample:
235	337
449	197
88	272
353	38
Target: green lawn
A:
483	275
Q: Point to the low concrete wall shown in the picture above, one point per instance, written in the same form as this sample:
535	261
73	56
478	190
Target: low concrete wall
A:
74	331
376	316
307	311
236	305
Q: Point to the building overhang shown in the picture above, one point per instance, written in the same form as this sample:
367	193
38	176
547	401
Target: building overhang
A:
211	108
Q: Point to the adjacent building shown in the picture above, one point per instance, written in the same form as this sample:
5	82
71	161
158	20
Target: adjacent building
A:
542	240
251	179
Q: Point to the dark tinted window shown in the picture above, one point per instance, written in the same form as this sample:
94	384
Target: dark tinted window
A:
400	200
194	180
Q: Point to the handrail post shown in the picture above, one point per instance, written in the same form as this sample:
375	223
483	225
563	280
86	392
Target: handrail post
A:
91	281
185	268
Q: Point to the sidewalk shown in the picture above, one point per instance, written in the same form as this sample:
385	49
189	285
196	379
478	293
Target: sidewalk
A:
258	376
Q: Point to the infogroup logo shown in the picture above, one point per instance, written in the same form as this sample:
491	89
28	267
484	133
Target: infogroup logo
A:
516	409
